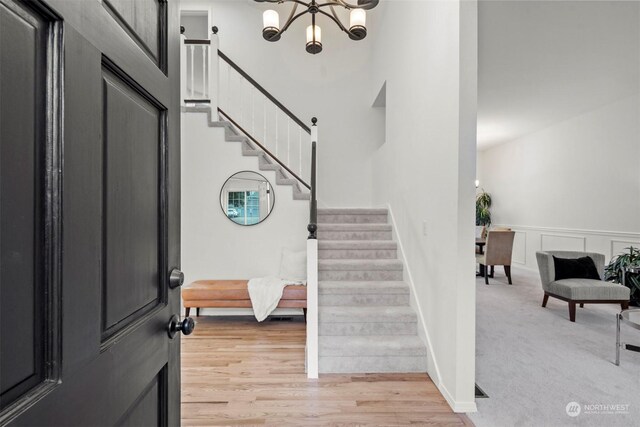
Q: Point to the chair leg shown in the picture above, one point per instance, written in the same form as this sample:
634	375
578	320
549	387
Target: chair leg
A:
624	305
198	311
545	298
572	311
507	271
581	305
492	271
186	311
486	274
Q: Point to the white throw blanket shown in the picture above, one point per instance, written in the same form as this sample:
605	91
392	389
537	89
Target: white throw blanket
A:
265	294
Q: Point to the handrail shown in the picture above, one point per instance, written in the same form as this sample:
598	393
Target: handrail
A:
265	149
313	204
196	41
264	91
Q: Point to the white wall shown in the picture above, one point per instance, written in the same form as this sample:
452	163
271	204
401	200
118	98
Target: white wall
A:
573	185
213	247
425	171
333	86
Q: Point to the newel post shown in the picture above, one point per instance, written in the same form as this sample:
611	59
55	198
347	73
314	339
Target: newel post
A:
183	66
214	71
312	266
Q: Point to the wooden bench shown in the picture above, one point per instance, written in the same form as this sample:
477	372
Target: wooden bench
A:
234	294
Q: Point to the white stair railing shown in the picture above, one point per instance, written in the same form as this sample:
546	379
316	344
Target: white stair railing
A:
212	78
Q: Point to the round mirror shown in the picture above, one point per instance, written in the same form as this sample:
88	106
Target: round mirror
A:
247	198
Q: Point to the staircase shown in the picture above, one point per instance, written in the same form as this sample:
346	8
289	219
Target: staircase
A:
250	149
365	321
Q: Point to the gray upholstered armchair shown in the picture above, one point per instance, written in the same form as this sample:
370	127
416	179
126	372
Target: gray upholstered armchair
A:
579	291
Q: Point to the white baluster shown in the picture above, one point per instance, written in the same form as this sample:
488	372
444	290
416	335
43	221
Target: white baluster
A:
276	119
288	142
183	69
204	72
228	106
264	122
253	114
191	49
300	151
241	102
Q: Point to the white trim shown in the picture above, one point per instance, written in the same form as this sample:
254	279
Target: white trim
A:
624	234
458	407
416	306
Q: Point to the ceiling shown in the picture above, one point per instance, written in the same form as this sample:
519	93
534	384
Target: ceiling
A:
542	62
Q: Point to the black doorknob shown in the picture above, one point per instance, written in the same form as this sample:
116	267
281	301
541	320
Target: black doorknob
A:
186	326
176	278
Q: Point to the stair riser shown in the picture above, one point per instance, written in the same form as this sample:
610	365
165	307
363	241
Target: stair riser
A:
352	219
352	275
364	300
354	235
372	364
358	254
368	328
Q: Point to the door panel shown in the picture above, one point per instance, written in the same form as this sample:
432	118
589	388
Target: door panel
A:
134	181
23	121
90	203
144	22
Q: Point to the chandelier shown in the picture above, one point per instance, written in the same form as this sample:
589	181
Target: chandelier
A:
357	29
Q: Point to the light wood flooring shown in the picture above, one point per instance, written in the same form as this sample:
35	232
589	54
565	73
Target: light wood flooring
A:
236	371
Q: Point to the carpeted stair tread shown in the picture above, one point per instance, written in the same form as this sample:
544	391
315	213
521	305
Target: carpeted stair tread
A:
357	244
359	264
373	345
363	287
373	314
354	227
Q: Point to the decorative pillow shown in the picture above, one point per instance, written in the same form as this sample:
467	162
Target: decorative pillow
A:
293	266
577	268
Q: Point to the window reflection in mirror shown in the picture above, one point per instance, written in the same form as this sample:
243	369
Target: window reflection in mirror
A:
247	198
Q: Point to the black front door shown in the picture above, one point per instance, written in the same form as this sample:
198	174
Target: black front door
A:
89	212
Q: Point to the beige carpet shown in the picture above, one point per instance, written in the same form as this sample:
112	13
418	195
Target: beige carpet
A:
533	361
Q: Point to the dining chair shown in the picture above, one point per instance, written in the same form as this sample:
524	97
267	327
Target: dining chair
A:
497	252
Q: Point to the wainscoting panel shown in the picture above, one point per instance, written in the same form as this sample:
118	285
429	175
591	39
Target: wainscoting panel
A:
619	246
520	247
557	242
529	240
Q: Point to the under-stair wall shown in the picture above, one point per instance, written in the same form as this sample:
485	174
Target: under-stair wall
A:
212	245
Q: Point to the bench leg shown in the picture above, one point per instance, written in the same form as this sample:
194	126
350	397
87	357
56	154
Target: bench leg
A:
186	311
624	305
581	305
572	311
198	311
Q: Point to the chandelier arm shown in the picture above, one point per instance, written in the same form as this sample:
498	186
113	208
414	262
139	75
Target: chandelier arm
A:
291	20
347	5
334	18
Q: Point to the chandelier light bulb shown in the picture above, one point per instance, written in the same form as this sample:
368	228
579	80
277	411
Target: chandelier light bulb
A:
314	39
358	24
271	25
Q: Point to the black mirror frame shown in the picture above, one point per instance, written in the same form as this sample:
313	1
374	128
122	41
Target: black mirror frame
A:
272	191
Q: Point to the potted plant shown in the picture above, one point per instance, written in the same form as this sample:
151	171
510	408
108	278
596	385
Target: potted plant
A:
483	203
613	272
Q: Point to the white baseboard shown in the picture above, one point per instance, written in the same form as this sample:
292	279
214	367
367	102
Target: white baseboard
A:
459	407
422	325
